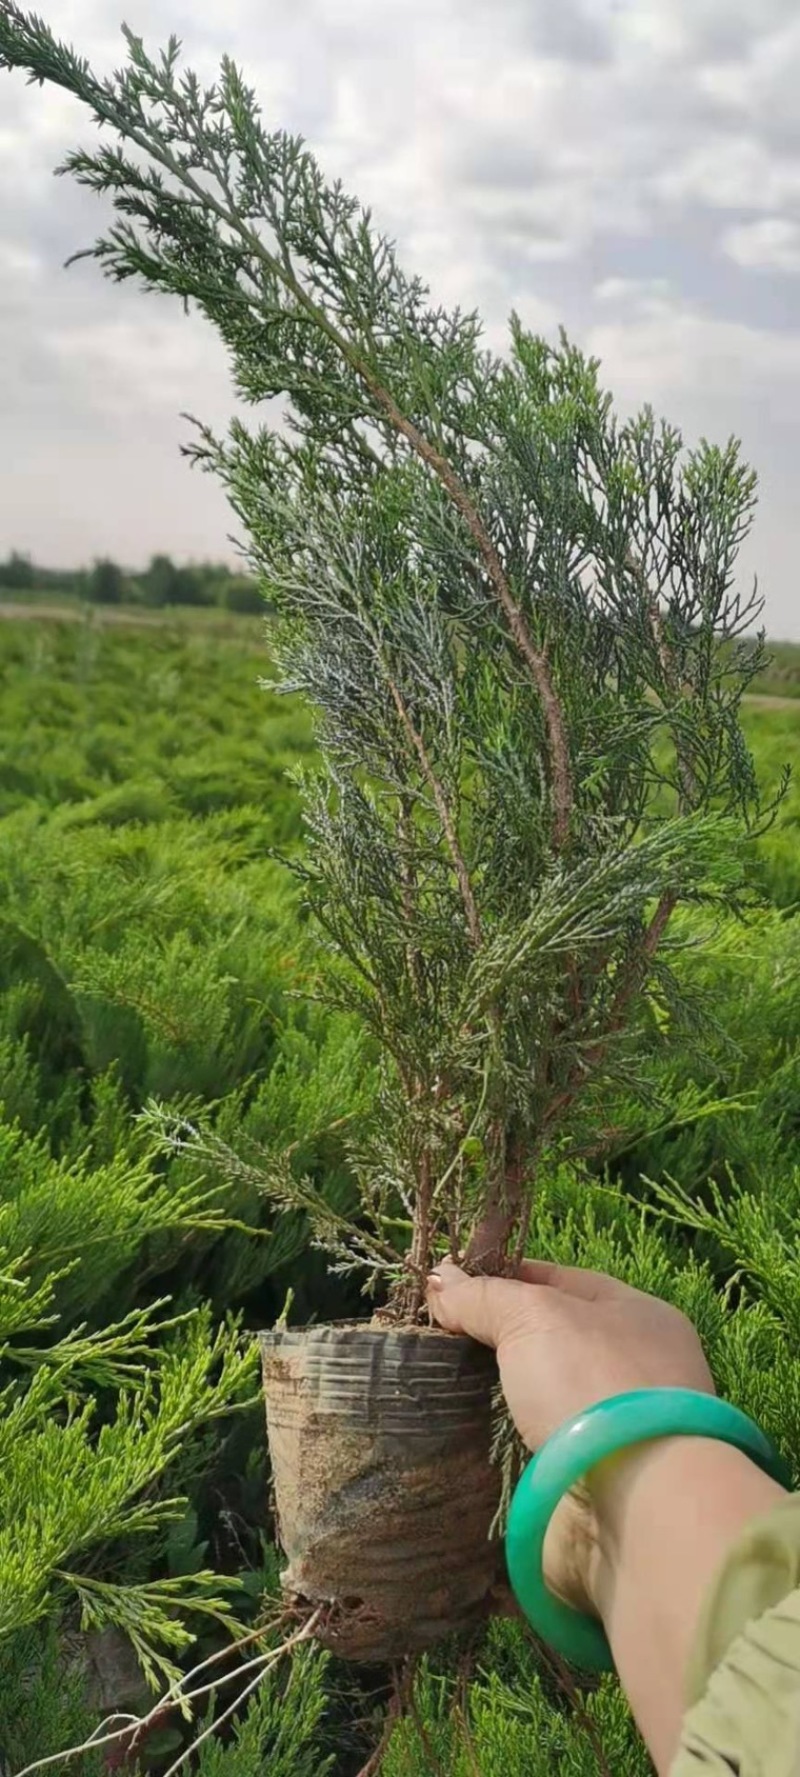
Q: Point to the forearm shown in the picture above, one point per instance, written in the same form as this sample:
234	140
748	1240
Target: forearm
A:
665	1516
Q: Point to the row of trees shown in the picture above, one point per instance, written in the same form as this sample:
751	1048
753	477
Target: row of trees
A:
163	582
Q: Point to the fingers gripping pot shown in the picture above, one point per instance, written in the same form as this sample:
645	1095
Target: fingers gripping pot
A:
380	1445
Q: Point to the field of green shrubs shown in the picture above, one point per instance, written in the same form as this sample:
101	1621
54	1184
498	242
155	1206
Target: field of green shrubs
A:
153	947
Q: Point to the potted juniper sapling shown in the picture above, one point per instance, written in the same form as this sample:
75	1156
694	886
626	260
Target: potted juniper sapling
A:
516	621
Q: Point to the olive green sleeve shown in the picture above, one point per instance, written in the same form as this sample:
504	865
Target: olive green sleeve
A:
743	1685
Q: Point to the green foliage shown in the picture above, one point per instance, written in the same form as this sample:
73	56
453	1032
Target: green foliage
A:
508	1722
750	1061
781	675
162	583
17	572
772	729
280	1729
145	948
43	1705
74	890
106	585
54	1208
91	1419
176	717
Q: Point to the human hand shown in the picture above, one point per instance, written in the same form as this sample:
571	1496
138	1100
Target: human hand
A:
566	1338
639	1541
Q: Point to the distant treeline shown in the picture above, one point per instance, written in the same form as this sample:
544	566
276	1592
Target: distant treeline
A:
164	582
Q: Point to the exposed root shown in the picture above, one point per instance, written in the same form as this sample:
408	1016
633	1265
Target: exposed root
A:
462	1716
436	1768
402	1683
128	1738
568	1687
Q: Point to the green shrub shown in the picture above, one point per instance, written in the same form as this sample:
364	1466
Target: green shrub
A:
161	950
145	949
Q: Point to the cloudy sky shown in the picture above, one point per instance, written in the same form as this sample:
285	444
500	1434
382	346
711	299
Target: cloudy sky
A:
628	167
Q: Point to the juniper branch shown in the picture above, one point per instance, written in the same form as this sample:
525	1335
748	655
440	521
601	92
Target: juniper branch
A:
499	601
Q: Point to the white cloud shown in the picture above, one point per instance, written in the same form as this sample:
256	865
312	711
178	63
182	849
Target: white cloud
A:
19	261
675	354
152	362
771	244
732	173
762	84
637	293
554	159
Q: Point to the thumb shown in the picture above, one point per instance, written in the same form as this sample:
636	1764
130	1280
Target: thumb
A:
475	1305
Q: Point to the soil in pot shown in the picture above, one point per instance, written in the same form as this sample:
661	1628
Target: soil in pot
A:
385	1493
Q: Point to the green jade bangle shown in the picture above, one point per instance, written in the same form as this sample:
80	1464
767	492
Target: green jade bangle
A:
567	1457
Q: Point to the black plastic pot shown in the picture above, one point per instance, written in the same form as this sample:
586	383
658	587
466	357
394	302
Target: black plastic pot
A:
380	1445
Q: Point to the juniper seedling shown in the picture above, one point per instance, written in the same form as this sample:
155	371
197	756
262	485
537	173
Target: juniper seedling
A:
517	620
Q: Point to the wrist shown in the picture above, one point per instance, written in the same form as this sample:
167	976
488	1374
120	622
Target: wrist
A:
687	1496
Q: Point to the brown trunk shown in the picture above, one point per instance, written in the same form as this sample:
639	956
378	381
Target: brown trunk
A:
489	1252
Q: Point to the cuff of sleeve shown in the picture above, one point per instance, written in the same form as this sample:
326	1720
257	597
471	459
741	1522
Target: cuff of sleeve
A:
761	1569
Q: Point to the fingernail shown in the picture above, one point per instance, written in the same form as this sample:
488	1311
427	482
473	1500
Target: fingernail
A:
435	1282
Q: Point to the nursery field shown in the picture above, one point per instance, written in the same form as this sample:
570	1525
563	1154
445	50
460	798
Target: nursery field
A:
154	948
